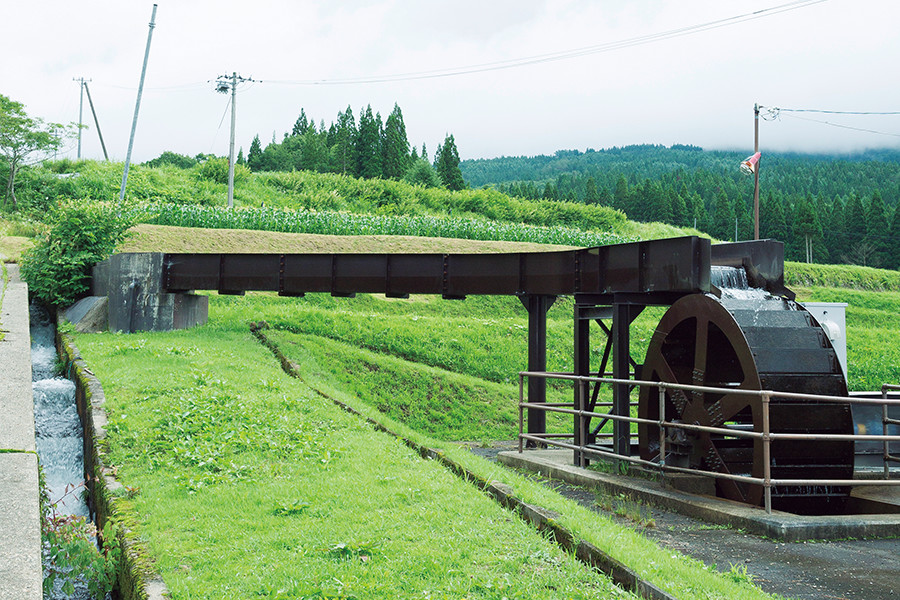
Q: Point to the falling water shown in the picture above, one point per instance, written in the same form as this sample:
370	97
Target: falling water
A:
59	436
58	432
732	278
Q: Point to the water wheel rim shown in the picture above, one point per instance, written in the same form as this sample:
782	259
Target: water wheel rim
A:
700	318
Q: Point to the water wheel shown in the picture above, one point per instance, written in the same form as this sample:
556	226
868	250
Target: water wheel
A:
753	343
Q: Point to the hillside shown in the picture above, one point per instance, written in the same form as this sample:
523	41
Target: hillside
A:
827	209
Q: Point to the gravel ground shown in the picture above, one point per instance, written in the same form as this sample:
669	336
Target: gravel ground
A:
844	569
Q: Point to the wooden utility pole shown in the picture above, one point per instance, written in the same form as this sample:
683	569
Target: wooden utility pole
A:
756	172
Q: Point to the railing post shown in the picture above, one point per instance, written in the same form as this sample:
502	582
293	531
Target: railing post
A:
662	430
767	453
580	421
884	430
521	409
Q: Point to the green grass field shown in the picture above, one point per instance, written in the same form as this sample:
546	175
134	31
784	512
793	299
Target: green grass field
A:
248	483
242	482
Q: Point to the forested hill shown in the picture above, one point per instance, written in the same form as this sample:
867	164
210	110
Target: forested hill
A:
789	173
826	208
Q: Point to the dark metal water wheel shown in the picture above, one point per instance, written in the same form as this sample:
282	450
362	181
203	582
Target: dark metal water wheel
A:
749	345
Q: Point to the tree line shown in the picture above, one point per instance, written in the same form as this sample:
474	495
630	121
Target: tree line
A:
367	147
826	209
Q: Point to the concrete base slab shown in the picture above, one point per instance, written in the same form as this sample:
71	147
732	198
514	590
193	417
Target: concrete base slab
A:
89	315
557	464
20	530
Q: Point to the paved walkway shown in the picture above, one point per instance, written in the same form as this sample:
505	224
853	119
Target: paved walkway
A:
20	532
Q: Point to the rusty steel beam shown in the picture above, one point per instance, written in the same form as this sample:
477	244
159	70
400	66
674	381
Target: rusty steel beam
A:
670	266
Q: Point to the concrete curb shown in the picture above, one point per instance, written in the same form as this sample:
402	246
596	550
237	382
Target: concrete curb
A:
778	525
136	580
540	518
20	516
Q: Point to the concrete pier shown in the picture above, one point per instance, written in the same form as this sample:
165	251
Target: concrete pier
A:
21	577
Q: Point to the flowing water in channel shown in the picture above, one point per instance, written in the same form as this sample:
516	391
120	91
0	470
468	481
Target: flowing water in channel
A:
59	436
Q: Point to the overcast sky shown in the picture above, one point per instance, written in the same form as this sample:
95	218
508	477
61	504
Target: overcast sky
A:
698	88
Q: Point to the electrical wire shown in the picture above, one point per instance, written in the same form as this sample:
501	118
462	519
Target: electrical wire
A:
560	55
219	128
846	126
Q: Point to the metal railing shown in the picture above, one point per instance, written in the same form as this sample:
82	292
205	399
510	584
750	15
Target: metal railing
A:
886	422
765	435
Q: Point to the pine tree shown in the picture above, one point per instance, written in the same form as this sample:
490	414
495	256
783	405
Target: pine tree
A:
395	146
591	195
856	230
877	226
771	218
807	226
301	125
723	218
679	209
341	145
368	145
254	156
893	260
620	196
446	163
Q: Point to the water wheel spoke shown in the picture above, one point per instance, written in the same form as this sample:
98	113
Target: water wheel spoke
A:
701	346
714	462
728	407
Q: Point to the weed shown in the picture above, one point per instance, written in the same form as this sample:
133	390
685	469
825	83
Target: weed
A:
287	509
738	573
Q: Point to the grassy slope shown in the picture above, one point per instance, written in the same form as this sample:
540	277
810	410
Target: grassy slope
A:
247	483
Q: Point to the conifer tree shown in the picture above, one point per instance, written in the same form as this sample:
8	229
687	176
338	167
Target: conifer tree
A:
446	163
368	145
723	218
395	146
591	195
341	147
301	125
254	156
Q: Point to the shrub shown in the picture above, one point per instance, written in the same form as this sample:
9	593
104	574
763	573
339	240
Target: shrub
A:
58	267
216	169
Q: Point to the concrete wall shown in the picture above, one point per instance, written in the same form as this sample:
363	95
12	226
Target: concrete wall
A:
137	301
21	577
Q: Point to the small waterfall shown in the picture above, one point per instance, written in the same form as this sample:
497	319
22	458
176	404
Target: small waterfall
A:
732	282
59	436
732	278
58	433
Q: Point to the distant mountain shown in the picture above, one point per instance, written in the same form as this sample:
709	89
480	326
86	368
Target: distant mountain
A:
788	172
825	207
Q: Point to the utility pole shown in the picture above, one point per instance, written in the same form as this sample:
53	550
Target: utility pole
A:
137	108
224	84
756	172
96	121
81	85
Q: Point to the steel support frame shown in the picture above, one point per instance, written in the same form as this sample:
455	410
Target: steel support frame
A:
537	307
622	315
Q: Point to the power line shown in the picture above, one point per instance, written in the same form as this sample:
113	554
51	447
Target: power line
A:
845	126
833	112
775	112
560	55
